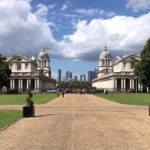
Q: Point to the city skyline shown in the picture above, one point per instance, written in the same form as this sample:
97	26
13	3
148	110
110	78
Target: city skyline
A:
74	32
69	76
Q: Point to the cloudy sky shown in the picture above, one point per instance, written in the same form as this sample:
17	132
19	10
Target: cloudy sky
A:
74	32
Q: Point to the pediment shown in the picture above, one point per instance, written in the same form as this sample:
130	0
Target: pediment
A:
106	71
19	58
127	58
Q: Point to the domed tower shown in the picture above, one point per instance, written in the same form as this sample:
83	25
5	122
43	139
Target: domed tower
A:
43	62
105	63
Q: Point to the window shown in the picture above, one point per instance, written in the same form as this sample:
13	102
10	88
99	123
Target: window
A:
26	65
124	65
19	66
132	65
132	62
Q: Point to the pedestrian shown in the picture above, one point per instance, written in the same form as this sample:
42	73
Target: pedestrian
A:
58	93
63	93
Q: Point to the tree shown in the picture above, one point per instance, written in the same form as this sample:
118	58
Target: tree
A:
142	67
75	84
61	84
5	72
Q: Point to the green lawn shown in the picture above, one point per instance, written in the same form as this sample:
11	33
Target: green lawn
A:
9	116
130	98
20	99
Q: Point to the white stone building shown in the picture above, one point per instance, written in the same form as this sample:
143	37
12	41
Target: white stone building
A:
31	71
118	75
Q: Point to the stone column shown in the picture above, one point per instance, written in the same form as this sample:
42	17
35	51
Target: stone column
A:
27	84
132	83
139	85
11	84
115	84
21	85
18	85
124	84
38	84
121	84
35	83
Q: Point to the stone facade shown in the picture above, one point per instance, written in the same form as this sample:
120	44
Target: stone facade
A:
118	75
31	71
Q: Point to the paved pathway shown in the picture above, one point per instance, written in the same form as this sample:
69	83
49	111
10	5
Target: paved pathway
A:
80	122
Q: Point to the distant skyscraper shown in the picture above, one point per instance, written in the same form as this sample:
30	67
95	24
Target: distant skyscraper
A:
95	73
92	75
75	78
68	76
82	77
59	75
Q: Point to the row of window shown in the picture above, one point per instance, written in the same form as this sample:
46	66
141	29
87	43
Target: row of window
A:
125	65
19	66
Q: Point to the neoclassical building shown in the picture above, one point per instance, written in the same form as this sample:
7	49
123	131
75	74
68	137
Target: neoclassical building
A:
31	71
116	75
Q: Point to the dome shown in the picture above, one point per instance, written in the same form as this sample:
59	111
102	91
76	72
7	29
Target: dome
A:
105	54
43	54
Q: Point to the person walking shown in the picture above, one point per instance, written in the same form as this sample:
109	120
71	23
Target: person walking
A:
57	93
63	93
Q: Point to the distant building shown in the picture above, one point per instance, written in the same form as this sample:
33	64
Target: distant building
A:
92	75
30	71
89	75
117	76
76	78
83	77
59	75
95	72
68	76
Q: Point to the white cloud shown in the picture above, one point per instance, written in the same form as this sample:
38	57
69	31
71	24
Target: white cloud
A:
89	12
52	6
42	10
120	32
138	4
93	12
64	6
21	31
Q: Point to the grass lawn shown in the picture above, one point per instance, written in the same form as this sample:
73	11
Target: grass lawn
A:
130	98
20	99
9	116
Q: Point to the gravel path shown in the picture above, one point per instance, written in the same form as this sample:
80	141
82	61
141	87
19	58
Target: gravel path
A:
80	122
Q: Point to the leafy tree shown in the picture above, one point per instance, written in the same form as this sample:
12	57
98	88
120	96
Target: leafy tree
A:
142	67
75	84
61	84
5	72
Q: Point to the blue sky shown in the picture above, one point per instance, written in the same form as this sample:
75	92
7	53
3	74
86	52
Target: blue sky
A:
74	32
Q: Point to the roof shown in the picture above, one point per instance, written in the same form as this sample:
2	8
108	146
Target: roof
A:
105	54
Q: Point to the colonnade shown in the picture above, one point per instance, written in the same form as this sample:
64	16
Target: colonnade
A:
21	85
124	84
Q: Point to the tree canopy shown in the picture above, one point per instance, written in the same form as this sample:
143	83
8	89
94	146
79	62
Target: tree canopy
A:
142	67
5	72
75	84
